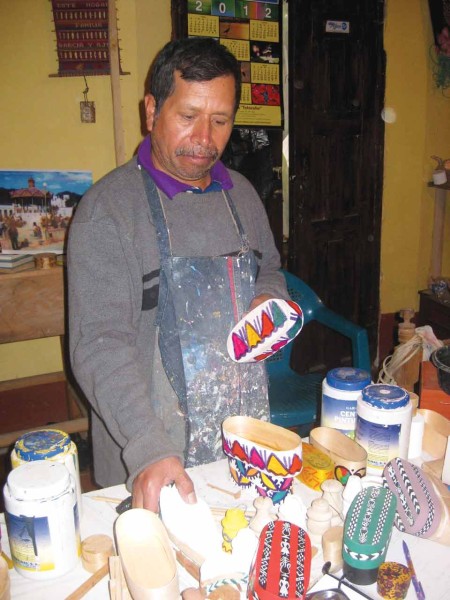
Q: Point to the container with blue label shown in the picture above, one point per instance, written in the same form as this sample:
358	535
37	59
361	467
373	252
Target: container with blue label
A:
52	445
340	391
383	424
42	521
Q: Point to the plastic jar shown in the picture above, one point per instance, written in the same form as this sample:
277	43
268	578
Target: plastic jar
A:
383	424
49	444
340	391
42	520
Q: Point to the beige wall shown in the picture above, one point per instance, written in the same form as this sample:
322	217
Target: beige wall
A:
41	129
422	129
40	116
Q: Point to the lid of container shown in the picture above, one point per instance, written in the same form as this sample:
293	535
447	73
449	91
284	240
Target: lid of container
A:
43	443
382	395
38	480
348	378
368	527
419	509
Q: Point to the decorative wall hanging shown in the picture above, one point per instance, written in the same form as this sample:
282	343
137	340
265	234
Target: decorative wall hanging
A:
82	38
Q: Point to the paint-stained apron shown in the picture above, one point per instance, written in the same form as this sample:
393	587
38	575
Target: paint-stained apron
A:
200	300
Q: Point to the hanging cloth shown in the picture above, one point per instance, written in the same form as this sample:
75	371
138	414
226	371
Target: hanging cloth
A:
200	300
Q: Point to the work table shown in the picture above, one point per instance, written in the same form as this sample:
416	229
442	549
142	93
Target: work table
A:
431	559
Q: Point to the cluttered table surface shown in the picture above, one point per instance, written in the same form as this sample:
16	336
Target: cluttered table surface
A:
431	559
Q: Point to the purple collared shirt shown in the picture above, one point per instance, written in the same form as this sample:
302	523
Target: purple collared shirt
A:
220	178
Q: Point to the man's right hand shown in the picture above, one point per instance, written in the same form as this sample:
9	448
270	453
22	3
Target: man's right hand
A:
148	484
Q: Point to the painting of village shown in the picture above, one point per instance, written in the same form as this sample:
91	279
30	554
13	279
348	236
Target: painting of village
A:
36	208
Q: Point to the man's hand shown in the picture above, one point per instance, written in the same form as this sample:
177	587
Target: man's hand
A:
147	485
257	300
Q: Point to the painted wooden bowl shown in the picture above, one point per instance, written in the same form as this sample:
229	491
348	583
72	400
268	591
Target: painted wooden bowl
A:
262	455
265	330
348	456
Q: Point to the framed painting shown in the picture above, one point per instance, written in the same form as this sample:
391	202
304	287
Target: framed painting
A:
36	208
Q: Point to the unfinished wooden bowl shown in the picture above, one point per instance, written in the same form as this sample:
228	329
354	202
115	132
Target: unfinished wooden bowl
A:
146	556
262	455
436	432
190	527
349	457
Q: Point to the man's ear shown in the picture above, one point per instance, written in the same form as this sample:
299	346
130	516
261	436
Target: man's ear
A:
150	108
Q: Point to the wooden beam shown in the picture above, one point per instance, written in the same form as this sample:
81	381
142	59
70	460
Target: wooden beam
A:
114	66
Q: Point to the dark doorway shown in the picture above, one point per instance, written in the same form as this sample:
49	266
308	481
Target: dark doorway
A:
336	96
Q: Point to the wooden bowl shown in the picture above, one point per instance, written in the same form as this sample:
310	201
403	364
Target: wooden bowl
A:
146	556
262	455
436	432
349	457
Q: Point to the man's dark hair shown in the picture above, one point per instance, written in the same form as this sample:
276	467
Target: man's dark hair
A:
196	59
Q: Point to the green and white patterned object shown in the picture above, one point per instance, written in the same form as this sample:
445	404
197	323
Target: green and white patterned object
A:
368	527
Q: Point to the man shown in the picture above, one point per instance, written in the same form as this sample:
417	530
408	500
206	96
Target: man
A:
165	254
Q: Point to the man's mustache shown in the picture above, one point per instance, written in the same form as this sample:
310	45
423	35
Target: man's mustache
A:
197	152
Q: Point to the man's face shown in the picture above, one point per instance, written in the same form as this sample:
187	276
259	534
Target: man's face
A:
192	128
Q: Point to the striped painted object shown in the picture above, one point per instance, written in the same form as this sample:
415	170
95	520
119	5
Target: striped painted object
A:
282	564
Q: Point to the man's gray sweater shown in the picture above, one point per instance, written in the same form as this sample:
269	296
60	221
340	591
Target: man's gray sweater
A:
113	276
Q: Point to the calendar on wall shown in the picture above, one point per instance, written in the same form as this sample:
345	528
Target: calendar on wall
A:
251	30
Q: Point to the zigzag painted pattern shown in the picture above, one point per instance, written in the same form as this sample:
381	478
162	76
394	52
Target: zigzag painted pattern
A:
363	557
382	518
408	488
265	558
354	520
400	496
408	485
431	510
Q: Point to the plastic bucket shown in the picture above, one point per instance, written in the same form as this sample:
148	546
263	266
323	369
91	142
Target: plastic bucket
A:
441	360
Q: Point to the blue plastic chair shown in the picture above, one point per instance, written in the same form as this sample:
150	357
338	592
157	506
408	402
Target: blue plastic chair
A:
294	399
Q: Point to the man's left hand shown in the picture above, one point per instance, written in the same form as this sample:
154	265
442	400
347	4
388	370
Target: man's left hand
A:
257	300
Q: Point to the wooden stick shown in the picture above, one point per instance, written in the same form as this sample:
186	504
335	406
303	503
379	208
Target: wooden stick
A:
106	499
219	512
191	567
8	561
437	239
89	583
234	494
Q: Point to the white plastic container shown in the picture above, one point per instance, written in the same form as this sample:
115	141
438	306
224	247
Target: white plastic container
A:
42	520
340	391
49	444
383	424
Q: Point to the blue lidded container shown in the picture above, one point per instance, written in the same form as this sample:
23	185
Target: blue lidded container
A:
383	424
340	392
